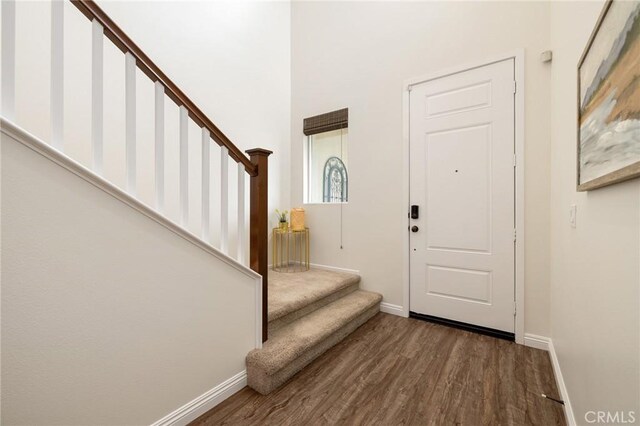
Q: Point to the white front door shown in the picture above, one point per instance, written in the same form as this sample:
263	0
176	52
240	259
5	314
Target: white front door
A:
462	180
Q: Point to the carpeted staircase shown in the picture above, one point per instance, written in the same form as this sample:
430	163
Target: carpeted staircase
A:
309	312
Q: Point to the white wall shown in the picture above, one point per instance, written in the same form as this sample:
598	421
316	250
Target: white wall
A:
232	58
357	55
595	268
107	316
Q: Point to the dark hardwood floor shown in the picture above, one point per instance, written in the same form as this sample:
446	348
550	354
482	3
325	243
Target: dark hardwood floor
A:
396	371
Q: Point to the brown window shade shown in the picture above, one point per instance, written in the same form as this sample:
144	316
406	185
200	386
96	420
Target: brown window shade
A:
326	122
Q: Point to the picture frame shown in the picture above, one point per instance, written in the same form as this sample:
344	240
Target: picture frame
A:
608	128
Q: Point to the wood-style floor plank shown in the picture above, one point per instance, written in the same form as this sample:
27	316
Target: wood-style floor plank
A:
398	371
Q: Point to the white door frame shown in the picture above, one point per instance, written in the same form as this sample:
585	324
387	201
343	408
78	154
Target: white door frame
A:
518	57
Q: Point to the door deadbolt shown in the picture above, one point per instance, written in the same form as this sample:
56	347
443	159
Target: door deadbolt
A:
414	228
414	212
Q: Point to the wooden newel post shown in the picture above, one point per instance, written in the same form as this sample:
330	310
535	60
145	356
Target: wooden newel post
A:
259	225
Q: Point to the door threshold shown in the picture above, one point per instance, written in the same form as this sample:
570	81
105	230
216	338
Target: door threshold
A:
499	334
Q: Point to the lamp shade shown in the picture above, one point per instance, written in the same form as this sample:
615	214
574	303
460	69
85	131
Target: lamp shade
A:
297	219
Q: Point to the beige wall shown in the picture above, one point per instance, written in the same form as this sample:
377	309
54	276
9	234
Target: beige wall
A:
107	316
595	268
357	55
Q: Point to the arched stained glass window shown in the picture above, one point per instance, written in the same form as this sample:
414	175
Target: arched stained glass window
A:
334	181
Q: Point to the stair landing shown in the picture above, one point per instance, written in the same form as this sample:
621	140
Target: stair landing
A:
293	295
289	292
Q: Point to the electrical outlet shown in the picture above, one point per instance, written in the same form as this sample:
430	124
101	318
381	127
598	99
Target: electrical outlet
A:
572	215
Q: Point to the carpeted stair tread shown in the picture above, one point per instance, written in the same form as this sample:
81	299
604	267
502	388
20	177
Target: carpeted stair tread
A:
292	316
291	292
293	340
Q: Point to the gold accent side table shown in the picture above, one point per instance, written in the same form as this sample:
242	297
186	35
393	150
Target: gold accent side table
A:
290	250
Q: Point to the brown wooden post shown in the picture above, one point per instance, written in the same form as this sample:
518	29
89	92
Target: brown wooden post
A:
259	226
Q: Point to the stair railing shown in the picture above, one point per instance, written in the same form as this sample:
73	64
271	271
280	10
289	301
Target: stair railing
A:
256	166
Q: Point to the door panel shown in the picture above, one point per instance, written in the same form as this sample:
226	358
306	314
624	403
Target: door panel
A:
457	187
464	284
459	99
462	177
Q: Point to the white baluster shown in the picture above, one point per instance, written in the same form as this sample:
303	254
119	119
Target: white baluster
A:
159	133
206	166
184	167
97	88
8	59
224	200
130	122
242	231
57	74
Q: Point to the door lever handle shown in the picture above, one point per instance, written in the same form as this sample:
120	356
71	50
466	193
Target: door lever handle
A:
414	228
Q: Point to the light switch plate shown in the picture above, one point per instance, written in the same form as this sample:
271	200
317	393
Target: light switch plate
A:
572	215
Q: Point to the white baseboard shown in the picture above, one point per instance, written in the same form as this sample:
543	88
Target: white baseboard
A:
334	268
562	388
392	309
545	343
205	402
535	341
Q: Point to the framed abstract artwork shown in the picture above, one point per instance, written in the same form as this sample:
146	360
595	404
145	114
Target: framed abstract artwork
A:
609	99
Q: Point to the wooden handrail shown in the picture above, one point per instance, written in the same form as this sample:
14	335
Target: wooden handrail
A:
92	11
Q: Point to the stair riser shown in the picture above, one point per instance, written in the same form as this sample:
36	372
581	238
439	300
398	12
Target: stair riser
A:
293	316
265	384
